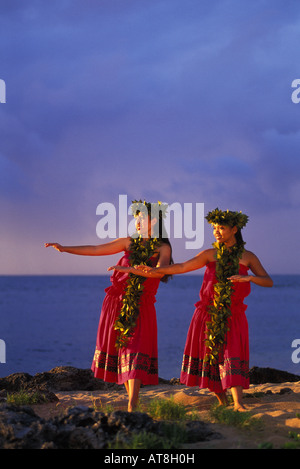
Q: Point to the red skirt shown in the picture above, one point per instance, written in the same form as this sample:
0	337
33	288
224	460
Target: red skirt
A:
232	368
138	360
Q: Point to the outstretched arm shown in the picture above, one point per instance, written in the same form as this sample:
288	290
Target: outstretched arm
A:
113	247
200	260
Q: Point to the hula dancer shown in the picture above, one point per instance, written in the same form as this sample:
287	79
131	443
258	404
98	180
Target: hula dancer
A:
216	354
126	345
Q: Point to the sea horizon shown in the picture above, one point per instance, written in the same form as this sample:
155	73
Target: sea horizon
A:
52	323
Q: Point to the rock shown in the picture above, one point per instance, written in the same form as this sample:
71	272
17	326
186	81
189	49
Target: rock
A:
3	395
131	422
21	428
175	381
15	382
63	378
23	382
81	428
199	431
271	375
68	378
286	391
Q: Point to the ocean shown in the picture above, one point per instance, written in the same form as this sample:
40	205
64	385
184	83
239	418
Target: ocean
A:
49	321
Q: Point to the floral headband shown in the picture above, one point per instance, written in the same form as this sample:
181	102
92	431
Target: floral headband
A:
219	217
155	209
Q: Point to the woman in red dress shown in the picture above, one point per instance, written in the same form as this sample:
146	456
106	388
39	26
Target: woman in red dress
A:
216	354
126	345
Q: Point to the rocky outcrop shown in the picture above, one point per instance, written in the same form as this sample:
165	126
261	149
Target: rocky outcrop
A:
84	428
61	378
271	375
68	378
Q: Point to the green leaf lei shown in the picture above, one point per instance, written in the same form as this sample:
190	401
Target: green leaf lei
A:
227	217
140	253
220	310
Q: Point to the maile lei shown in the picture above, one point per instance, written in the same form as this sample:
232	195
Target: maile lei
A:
140	253
227	265
220	310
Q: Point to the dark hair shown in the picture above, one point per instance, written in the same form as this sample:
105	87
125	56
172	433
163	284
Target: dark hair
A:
164	239
239	238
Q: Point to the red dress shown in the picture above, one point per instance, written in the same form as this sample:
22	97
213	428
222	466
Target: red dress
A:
232	368
139	358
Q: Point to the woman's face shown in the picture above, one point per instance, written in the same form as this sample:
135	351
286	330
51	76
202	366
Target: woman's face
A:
224	233
143	225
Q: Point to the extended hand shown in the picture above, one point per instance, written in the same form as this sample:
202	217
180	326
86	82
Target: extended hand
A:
240	278
120	268
56	246
143	268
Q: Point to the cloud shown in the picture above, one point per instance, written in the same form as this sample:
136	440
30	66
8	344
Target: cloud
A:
170	100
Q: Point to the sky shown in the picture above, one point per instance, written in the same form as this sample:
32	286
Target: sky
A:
184	101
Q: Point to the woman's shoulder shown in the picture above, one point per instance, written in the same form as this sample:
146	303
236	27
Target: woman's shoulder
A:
248	257
210	254
164	251
207	255
164	247
126	243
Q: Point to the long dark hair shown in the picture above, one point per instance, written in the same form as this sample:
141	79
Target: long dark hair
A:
165	240
239	237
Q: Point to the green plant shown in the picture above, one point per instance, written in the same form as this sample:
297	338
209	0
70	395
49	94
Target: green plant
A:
174	433
173	437
99	407
143	440
295	440
291	445
231	417
166	409
24	398
265	445
294	435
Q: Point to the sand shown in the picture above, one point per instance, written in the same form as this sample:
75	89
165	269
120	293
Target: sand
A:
277	409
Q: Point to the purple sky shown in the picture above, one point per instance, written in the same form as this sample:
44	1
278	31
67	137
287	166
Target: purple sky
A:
172	100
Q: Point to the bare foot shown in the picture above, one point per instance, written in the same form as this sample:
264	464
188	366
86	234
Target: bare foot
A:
132	407
222	399
240	408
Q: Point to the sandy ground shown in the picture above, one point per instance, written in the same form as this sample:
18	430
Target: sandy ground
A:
277	410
